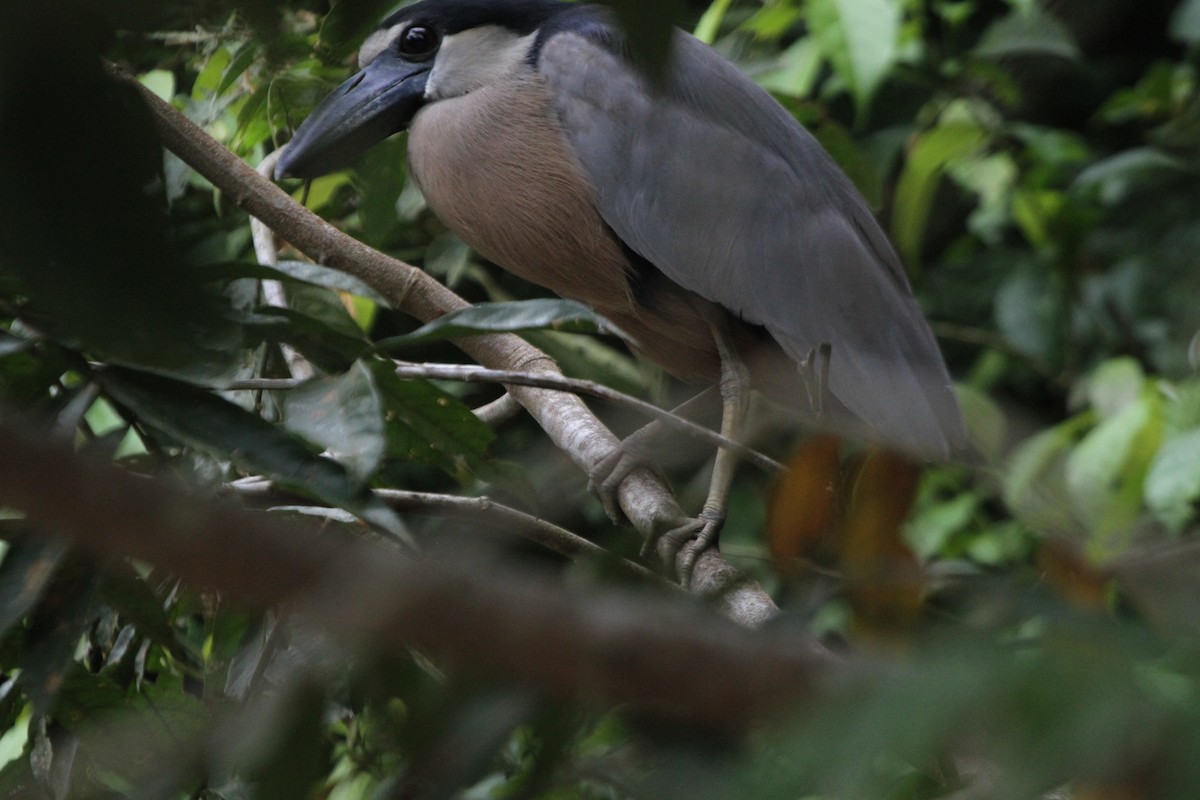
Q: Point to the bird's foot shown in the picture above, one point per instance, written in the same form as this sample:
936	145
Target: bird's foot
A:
605	478
682	545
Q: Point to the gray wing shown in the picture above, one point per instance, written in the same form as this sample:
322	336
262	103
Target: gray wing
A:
716	185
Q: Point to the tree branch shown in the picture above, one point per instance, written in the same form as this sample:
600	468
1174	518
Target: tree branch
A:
672	659
479	509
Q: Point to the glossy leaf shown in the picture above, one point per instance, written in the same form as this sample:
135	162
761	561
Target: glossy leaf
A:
859	38
553	314
199	419
344	415
427	425
927	159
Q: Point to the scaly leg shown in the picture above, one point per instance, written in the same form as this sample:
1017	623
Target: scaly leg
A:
692	538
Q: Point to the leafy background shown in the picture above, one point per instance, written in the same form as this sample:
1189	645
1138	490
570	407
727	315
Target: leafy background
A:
1030	622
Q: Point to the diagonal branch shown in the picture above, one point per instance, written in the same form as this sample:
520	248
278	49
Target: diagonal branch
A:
616	647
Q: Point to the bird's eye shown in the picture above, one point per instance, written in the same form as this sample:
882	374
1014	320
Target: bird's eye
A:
418	41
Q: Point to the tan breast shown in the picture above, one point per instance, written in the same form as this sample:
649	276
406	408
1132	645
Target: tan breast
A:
496	169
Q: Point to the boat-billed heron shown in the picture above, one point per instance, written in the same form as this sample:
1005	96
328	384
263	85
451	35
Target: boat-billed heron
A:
695	213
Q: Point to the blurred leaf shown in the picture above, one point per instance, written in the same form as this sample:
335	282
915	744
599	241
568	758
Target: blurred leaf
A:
103	272
54	630
291	750
927	158
1185	22
1072	576
10	344
1173	481
859	38
710	23
344	415
1028	31
883	577
199	419
1114	385
804	503
514	317
29	564
1106	470
986	423
930	531
1035	211
991	177
161	82
796	72
1035	481
1113	179
1027	308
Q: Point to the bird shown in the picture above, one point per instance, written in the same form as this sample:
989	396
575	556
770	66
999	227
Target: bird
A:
691	210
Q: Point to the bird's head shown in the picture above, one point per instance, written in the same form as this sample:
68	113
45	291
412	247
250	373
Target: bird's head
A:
429	51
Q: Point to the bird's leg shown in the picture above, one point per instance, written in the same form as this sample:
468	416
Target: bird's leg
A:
689	540
634	451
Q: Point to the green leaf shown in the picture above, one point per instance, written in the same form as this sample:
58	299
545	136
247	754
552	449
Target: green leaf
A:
344	415
796	71
859	38
1106	471
328	349
199	419
428	425
447	257
1115	178
927	159
1034	483
1028	32
1173	481
329	278
29	564
288	752
710	23
1028	308
240	62
1114	385
524	315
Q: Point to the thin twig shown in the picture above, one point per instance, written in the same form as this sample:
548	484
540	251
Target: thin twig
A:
469	373
267	254
481	509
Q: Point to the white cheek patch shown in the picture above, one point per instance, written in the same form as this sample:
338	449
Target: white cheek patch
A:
472	59
376	43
